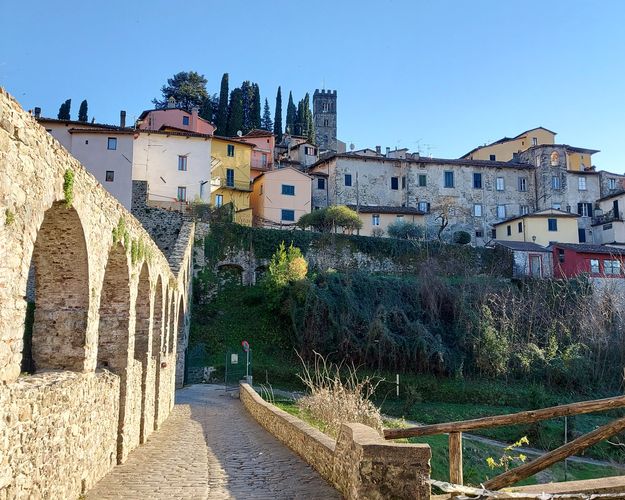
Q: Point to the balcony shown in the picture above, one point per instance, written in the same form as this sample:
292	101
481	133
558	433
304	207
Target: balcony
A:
610	216
234	185
259	164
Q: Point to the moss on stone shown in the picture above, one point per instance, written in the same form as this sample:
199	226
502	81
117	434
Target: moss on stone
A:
68	188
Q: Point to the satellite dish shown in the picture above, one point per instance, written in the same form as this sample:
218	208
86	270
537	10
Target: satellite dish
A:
239	133
352	146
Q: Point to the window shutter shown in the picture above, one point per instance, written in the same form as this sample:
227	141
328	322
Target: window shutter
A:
579	209
428	206
590	210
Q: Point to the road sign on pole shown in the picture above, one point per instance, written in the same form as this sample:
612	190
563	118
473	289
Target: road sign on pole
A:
246	348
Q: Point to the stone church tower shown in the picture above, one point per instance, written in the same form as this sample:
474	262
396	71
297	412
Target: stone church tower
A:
324	116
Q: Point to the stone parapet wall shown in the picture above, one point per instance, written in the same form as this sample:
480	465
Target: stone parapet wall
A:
360	464
58	433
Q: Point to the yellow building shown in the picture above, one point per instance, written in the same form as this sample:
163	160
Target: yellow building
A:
230	176
540	227
505	148
377	219
579	158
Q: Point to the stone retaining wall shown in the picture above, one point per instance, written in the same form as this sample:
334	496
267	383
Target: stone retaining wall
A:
360	464
58	433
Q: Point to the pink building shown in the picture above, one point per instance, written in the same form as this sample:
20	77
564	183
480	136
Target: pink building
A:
262	154
176	119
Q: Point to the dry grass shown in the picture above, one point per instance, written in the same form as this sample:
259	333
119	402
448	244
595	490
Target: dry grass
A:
338	396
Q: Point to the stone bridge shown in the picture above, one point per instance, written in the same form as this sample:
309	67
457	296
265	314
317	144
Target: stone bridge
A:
91	316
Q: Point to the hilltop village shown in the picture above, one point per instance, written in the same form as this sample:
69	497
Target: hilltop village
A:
542	199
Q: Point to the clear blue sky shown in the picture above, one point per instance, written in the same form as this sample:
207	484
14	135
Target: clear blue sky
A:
445	75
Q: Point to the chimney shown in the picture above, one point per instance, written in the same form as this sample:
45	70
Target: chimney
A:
171	103
378	149
37	112
122	119
194	116
388	150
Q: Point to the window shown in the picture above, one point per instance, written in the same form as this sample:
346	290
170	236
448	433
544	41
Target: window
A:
493	158
449	179
584	209
230	150
288	215
561	255
375	220
321	183
509	230
424	206
423	180
479	233
538	161
403	182
524	210
309	151
112	143
219	200
288	190
110	175
185	120
520	226
556	206
522	183
493	233
552	224
395	183
534	141
581	182
555	182
230	177
182	193
581	235
261	189
182	163
400	216
611	183
477	181
477	210
612	267
499	184
348	179
501	211
594	266
263	160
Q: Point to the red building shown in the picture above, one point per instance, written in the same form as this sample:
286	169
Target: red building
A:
572	259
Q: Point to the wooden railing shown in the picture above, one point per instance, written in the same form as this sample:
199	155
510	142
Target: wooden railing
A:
512	476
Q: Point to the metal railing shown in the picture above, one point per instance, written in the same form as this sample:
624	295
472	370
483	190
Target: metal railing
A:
609	216
233	184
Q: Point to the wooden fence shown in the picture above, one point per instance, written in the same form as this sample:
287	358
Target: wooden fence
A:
512	476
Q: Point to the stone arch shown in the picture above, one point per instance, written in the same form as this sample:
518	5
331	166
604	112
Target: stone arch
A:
259	272
172	324
142	344
230	274
157	347
180	322
61	292
113	330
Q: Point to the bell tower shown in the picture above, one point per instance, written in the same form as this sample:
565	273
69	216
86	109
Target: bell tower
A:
324	116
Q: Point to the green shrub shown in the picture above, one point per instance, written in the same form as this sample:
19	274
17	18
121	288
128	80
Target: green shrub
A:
462	238
404	230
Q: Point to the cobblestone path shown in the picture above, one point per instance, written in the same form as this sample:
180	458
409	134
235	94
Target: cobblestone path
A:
210	448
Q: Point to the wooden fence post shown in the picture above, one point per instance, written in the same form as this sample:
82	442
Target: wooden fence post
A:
455	458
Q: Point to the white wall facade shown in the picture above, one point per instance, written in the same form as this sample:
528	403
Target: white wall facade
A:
156	160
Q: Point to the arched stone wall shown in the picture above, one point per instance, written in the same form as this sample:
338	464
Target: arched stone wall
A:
93	268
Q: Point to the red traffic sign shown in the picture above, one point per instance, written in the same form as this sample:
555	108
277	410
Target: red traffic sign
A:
246	345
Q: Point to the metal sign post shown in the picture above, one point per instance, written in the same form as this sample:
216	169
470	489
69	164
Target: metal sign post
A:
246	348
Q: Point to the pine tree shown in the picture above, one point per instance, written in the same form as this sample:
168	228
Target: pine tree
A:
221	120
187	88
266	122
255	108
291	115
209	108
277	117
235	113
82	112
64	110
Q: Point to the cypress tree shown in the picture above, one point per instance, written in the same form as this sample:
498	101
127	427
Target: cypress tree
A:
266	122
82	112
64	110
277	117
235	113
291	115
222	110
247	97
309	124
255	108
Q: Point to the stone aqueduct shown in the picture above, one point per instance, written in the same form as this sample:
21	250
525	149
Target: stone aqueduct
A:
110	310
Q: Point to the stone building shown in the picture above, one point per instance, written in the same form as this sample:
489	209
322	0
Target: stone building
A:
471	194
324	116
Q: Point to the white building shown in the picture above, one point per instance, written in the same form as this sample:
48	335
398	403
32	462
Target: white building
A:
105	150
